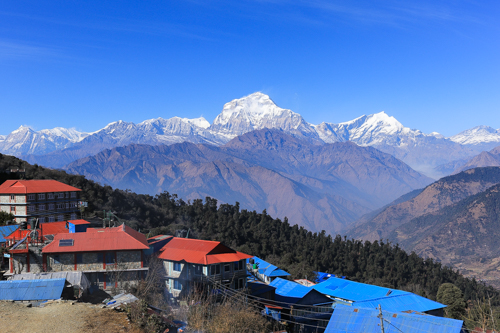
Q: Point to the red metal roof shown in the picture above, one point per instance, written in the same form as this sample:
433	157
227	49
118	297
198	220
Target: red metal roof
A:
197	251
18	234
78	222
109	239
35	186
52	228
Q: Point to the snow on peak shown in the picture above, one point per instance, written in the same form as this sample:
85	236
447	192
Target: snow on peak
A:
252	109
200	122
477	135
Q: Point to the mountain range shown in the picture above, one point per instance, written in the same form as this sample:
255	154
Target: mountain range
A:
425	153
454	220
321	187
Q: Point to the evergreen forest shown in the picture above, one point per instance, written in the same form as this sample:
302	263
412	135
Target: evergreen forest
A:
293	248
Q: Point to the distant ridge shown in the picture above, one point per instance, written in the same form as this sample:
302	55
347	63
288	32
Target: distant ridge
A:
322	187
423	152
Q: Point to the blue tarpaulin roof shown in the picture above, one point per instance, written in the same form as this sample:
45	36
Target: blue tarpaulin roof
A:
6	231
366	295
31	290
268	269
289	288
361	320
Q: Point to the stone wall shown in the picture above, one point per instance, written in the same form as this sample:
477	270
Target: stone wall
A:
20	198
19	263
129	259
5	198
90	262
66	262
36	261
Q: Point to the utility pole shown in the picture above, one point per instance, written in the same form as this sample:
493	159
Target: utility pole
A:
381	318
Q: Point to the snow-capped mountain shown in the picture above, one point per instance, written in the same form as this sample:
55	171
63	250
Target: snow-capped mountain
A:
256	111
481	138
25	140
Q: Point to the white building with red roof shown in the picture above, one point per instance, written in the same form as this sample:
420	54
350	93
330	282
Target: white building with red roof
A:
187	261
46	199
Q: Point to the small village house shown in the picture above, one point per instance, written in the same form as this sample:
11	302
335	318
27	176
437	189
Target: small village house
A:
110	257
187	261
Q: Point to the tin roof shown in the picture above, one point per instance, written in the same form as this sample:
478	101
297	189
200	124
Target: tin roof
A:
52	228
35	186
289	288
404	302
197	251
6	231
360	320
354	291
109	239
31	290
269	269
78	222
370	296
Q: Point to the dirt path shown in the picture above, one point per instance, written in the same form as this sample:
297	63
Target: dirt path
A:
62	317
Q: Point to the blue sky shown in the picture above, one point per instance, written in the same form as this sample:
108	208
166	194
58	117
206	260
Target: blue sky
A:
434	65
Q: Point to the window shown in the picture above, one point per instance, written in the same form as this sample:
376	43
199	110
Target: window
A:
41	219
79	258
50	196
73	194
177	285
31	208
67	194
198	269
60	217
13	209
100	257
51	206
73	205
41	196
241	264
56	259
227	268
41	207
241	284
60	205
67	205
110	257
177	266
60	195
31	197
73	216
13	197
214	269
236	266
52	218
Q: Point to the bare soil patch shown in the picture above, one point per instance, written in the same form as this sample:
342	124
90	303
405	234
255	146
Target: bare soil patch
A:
62	317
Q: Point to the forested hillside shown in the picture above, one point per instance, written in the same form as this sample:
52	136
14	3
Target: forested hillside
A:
293	248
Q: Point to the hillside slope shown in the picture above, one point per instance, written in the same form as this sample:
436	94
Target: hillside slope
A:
434	197
317	186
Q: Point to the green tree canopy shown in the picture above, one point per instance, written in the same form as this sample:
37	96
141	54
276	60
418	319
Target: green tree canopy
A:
452	296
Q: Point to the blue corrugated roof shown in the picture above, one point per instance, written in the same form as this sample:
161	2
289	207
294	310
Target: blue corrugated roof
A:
370	296
6	231
322	276
31	290
354	291
289	288
268	269
402	302
354	320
